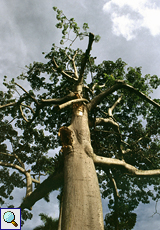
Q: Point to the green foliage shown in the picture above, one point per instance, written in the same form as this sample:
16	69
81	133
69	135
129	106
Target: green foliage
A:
49	223
126	221
68	25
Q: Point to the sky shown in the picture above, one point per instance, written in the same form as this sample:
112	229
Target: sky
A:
129	30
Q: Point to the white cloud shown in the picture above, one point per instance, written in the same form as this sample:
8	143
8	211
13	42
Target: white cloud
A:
135	5
124	25
151	20
130	16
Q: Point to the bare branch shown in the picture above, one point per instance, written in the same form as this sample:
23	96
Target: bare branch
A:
7	154
110	110
63	72
101	86
53	182
55	101
104	121
7	105
86	58
88	89
116	194
20	169
74	65
35	181
131	170
115	126
93	87
19	160
126	151
62	106
97	99
27	106
140	94
15	156
23	114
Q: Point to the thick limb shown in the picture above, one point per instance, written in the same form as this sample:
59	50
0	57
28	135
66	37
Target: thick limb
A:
119	84
130	169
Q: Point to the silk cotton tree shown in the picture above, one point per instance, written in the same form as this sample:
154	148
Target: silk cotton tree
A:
103	118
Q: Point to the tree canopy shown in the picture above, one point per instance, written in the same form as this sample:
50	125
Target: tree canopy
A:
124	125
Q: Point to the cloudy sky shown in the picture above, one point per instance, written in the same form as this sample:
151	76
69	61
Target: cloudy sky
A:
128	29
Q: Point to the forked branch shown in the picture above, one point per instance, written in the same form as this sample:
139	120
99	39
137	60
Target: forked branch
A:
53	182
62	71
119	84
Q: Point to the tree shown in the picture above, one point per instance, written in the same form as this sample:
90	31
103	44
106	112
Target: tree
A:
107	127
49	223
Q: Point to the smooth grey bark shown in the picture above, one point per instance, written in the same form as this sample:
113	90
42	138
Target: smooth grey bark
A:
82	207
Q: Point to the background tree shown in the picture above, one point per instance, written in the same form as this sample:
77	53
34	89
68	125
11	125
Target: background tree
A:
49	223
62	100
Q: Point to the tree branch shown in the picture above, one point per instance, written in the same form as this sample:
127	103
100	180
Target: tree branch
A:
62	106
19	160
10	104
55	101
119	84
131	170
53	182
85	58
23	113
7	154
110	110
97	99
28	94
140	94
62	71
74	65
27	106
35	181
20	169
116	194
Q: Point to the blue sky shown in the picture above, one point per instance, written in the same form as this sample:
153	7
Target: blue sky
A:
128	29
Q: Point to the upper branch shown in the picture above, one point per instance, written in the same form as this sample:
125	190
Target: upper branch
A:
131	170
62	71
96	100
56	101
119	84
140	94
86	58
62	106
74	65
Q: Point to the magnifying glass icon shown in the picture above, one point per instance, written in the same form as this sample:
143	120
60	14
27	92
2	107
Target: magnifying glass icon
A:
9	217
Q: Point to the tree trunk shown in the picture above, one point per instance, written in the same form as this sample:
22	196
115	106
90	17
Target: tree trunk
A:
82	208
